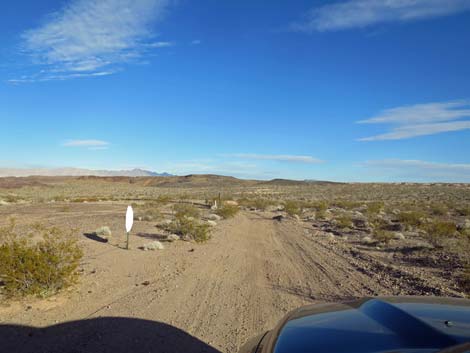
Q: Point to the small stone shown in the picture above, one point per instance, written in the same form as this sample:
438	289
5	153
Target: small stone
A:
212	223
173	237
145	283
214	217
154	245
398	236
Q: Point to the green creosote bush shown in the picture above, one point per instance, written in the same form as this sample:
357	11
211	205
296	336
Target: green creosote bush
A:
463	211
344	221
227	211
39	268
438	209
186	210
346	204
411	218
147	212
184	226
292	208
437	231
256	203
383	236
374	208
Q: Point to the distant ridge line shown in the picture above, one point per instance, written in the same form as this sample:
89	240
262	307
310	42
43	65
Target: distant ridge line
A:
73	172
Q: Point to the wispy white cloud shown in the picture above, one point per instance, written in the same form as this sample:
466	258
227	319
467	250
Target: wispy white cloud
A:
160	45
422	170
90	144
362	13
421	119
196	42
92	37
278	157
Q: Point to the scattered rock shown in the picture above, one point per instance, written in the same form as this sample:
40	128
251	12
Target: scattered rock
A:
172	237
186	237
296	217
464	225
154	245
231	203
367	240
394	227
103	232
398	236
211	223
214	217
278	218
145	283
330	236
360	221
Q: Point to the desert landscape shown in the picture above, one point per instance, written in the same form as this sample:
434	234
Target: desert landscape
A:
222	259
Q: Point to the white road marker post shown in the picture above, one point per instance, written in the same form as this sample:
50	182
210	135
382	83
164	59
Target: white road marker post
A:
129	223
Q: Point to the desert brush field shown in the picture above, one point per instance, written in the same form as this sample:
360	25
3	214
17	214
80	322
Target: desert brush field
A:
213	277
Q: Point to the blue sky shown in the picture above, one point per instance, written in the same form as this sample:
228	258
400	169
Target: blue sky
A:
357	90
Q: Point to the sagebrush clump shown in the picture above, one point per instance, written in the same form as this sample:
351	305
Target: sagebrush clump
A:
40	267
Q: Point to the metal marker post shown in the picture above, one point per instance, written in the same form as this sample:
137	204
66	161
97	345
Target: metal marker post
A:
129	223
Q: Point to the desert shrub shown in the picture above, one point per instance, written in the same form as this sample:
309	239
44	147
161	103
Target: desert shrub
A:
58	198
374	208
320	208
86	199
383	236
163	199
463	211
292	208
147	212
37	268
184	226
437	231
344	221
347	204
464	280
411	218
12	198
438	209
227	211
185	210
257	203
103	232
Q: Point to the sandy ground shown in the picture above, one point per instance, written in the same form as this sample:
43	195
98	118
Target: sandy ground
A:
239	284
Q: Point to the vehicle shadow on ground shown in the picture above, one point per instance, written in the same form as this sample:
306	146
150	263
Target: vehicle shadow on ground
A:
106	334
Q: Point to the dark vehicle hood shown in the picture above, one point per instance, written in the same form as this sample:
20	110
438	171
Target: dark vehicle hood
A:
392	324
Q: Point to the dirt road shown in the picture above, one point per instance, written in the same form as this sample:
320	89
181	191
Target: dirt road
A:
239	284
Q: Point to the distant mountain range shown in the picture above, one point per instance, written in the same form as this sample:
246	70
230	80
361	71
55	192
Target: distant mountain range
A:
19	172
